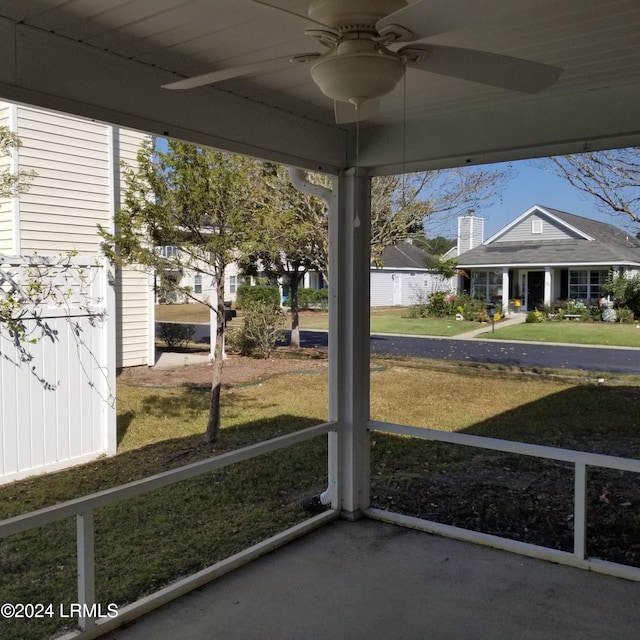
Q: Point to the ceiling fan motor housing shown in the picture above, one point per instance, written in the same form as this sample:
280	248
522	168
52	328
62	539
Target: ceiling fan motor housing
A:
353	15
357	71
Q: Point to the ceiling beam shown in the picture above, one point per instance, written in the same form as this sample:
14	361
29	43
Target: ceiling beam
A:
88	82
561	124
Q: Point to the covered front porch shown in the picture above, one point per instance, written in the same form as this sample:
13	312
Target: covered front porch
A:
527	287
360	579
370	580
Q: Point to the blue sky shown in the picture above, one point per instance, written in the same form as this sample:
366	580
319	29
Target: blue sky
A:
533	185
530	185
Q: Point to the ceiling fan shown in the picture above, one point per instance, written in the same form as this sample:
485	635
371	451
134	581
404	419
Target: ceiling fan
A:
361	63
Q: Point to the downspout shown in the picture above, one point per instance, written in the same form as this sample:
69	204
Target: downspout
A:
299	180
298	177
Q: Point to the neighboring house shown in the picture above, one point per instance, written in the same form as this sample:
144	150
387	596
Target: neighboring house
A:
404	277
545	256
77	186
202	286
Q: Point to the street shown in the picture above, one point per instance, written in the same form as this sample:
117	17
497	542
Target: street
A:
515	354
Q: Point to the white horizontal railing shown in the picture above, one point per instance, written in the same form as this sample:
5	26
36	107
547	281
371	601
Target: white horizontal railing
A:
83	510
580	459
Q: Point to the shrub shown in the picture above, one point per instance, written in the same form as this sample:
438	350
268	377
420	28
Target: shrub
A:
263	327
535	316
247	295
421	307
625	315
311	299
625	290
472	308
175	335
441	304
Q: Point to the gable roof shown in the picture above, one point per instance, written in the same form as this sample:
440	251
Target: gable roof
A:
404	255
589	242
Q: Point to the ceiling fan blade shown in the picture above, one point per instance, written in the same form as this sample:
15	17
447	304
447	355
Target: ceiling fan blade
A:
483	67
427	18
347	113
237	72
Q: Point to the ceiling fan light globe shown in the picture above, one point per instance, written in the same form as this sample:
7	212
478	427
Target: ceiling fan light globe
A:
358	77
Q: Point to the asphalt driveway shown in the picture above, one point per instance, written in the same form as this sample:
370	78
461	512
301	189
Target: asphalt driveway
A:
517	354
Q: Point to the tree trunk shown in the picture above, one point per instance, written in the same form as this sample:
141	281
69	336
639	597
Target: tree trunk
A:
295	312
213	424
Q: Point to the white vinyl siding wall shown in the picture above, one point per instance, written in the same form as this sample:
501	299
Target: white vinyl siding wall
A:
381	289
70	194
132	328
134	319
6	211
414	285
78	186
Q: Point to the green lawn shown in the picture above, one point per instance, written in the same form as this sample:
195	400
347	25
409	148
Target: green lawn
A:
397	320
144	543
594	333
190	313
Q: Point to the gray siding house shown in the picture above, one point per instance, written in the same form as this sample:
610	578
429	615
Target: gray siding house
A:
404	277
546	255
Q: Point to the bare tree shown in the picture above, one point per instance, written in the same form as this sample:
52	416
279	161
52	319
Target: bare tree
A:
611	177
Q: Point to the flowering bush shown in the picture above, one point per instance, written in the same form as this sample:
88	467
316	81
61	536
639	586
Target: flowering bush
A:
535	316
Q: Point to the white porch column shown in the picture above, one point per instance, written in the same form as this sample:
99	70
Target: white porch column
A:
547	285
349	256
505	292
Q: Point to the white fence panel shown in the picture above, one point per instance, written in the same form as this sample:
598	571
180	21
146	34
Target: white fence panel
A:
57	383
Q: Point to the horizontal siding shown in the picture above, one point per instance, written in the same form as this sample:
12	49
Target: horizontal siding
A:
6	218
71	192
130	142
6	226
381	289
522	232
412	284
132	327
5	117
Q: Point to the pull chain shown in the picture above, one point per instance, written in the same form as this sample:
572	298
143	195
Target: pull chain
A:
356	205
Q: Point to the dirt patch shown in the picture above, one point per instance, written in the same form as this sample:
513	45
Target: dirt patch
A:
521	499
237	369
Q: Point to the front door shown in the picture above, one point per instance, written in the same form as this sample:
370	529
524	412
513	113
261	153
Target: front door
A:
535	289
397	289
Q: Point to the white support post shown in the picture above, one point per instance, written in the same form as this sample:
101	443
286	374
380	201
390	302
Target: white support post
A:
349	260
580	511
86	568
108	356
505	292
547	285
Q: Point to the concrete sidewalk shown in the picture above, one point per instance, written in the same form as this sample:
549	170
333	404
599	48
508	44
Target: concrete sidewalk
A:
373	581
517	318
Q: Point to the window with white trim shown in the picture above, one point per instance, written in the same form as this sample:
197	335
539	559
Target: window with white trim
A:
197	283
486	285
586	285
169	251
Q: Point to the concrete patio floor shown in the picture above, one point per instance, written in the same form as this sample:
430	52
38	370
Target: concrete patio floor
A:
370	580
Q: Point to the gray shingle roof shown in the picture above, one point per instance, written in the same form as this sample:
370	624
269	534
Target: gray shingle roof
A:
404	255
610	246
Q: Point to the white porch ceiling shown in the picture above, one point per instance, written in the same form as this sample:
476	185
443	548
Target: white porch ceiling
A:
107	59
